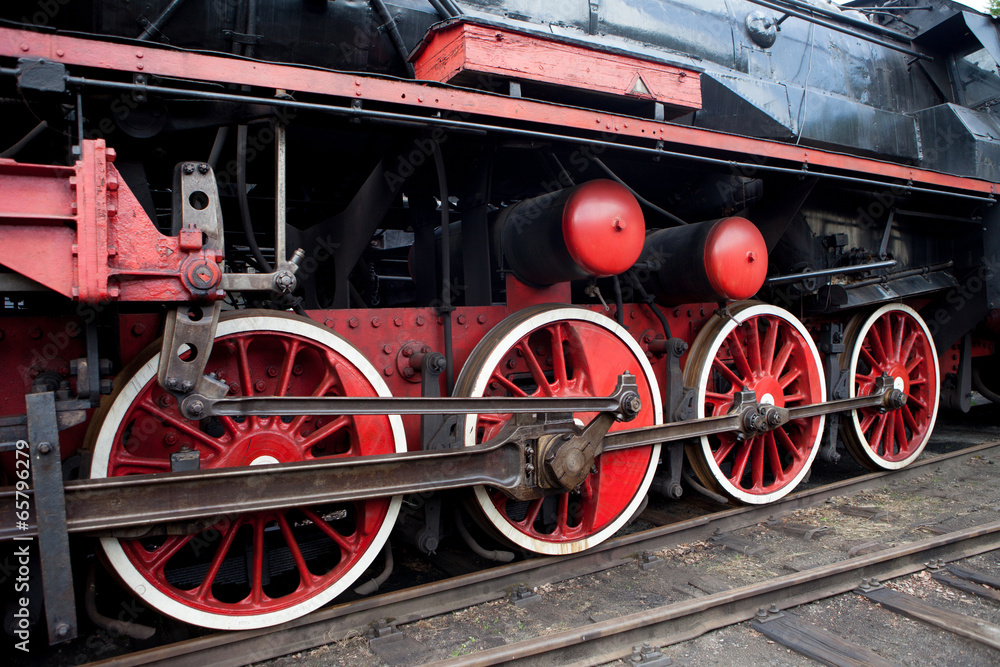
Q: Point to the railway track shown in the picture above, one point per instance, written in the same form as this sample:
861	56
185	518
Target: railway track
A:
610	639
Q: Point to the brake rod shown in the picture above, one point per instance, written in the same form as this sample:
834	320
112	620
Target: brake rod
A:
148	500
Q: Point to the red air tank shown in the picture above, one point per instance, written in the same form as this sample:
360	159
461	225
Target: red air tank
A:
591	230
718	260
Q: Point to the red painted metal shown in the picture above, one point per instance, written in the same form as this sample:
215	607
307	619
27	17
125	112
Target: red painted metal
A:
896	345
770	357
81	232
735	258
153	429
603	227
459	51
572	358
415	95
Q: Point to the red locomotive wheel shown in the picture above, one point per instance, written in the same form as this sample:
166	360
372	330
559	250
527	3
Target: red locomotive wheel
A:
254	569
552	351
893	341
766	350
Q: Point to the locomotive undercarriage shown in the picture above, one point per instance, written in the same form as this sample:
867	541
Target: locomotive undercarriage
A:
249	467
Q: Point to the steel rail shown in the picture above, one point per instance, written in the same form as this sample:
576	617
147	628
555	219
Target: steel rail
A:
598	643
411	120
146	500
335	623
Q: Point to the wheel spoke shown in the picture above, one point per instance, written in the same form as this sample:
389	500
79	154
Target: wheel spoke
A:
508	385
783	355
897	341
325	431
305	575
740	463
739	356
727	373
257	561
726	446
875	442
559	355
220	555
910	420
889	435
324	386
156	560
787	443
913	364
908	347
901	439
774	458
536	370
757	463
753	346
243	360
867	422
770	340
178	423
876	343
532	514
789	377
870	360
886	323
346	546
285	379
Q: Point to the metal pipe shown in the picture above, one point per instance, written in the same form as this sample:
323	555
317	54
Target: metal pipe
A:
711	495
154	26
495	555
409	120
642	200
805	275
280	195
394	36
241	194
111	625
442	12
889	277
217	146
25	140
849	20
445	268
373	584
839	28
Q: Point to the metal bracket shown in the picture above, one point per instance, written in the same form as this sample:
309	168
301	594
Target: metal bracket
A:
42	75
595	8
50	517
956	393
831	344
241	37
884	245
188	336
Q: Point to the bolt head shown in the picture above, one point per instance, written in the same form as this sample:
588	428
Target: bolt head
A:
188	169
202	168
407	372
196	407
62	630
44	448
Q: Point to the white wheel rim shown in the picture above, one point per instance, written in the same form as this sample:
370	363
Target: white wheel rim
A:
852	369
104	442
483	500
701	375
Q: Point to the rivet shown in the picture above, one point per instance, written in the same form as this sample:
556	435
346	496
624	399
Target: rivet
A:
24	47
353	323
387	371
60	53
398	321
272	371
138	54
461	319
387	349
329	322
138	329
420	320
35	333
296	369
376	322
481	319
260	385
138	66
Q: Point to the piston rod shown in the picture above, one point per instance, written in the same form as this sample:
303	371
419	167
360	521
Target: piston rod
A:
150	500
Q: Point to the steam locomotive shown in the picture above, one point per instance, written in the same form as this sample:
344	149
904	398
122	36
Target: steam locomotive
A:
281	277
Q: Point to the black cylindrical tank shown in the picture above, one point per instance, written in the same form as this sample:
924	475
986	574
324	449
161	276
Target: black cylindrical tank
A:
591	230
718	260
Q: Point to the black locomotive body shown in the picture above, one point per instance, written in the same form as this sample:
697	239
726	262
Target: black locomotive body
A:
255	246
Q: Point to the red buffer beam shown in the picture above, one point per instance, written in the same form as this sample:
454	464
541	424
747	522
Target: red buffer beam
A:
81	232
